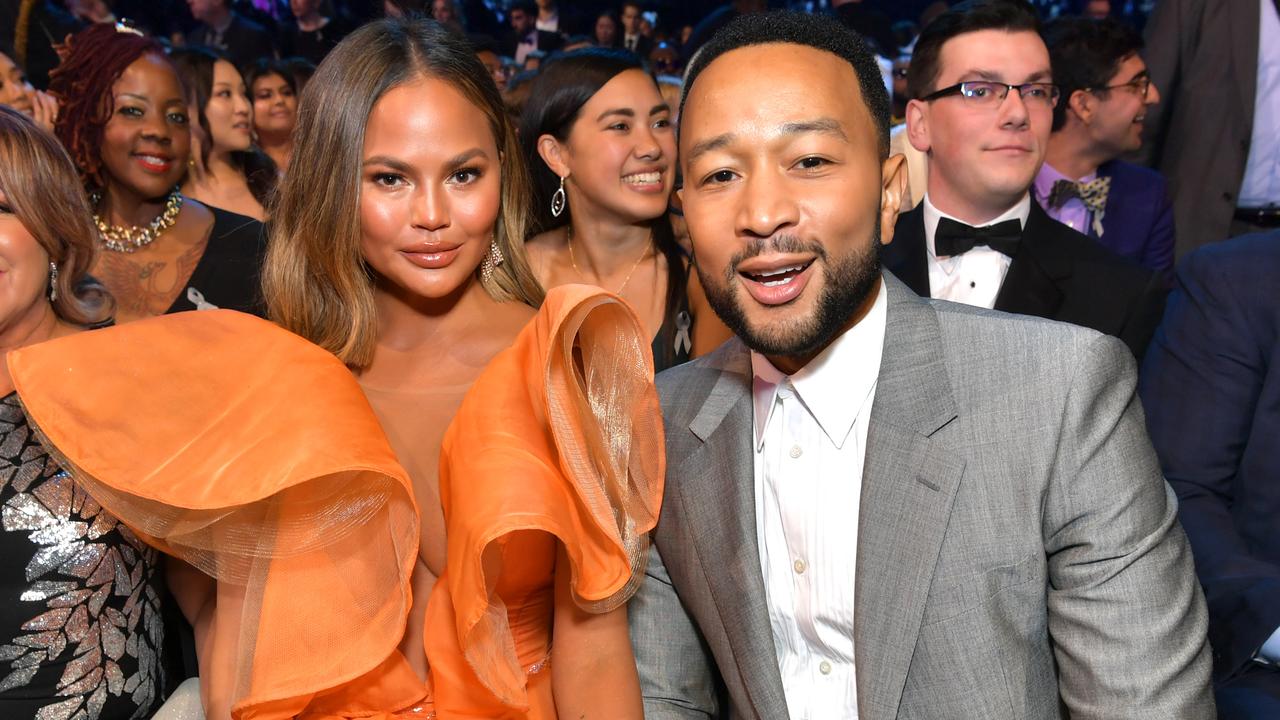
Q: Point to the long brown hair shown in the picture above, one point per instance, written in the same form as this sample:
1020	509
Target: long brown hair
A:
315	281
43	189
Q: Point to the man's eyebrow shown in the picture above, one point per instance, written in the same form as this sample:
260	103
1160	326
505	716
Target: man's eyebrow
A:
659	108
1136	76
703	147
825	126
993	76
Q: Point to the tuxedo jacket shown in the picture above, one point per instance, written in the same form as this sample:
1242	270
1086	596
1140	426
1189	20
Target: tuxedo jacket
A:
1203	56
1018	552
1211	385
547	42
244	42
1137	221
1057	274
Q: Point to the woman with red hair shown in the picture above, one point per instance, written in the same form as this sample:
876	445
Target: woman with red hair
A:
124	119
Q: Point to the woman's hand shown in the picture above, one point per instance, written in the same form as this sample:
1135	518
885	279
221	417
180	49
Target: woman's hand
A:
44	109
593	668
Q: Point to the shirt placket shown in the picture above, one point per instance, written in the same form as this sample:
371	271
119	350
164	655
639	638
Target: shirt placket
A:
798	507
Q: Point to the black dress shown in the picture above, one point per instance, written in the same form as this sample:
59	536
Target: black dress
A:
227	275
81	633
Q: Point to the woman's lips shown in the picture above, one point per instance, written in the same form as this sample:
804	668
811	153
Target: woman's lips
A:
155	164
432	258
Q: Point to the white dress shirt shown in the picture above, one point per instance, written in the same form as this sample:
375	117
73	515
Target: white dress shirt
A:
810	441
975	277
1261	184
527	44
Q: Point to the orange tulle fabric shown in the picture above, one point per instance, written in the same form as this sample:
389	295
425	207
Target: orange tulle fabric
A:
253	455
560	438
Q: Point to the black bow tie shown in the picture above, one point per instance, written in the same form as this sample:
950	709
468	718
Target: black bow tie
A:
955	238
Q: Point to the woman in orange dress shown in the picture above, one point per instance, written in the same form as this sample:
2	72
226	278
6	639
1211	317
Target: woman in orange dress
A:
531	439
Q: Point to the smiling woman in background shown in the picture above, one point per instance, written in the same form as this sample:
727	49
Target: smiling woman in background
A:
17	93
601	145
225	170
124	121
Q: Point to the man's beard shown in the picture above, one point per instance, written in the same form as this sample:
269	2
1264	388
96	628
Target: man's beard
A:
847	283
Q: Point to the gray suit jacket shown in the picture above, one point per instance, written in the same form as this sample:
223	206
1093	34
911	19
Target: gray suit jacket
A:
1018	552
1203	58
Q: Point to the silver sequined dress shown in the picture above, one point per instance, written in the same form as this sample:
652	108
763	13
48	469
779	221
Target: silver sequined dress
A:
80	622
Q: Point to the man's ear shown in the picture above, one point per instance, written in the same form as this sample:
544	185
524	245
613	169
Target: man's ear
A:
552	154
918	125
893	172
1083	104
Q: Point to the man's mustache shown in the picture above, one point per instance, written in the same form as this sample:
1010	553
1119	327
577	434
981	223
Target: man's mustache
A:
779	244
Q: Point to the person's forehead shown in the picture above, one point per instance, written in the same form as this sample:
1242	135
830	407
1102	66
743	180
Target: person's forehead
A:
1013	53
807	76
761	90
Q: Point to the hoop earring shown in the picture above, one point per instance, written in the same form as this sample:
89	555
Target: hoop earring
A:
493	259
53	281
558	201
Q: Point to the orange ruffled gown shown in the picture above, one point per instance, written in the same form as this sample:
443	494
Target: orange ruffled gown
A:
252	454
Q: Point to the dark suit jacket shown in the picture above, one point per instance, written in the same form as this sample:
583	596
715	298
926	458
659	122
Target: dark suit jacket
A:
1211	387
243	43
1057	274
1138	220
547	42
1203	57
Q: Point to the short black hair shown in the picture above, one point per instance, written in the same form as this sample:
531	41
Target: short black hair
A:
528	7
965	18
794	28
1086	54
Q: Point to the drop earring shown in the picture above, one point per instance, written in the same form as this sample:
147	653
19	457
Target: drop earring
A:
558	201
53	281
492	259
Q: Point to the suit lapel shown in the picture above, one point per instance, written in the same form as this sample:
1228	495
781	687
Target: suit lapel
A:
906	257
908	487
1030	286
720	475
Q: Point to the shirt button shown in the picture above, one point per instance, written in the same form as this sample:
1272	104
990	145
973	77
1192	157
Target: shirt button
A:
799	566
796	451
824	667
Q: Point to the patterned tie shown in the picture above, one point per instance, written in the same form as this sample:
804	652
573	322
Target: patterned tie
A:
1093	194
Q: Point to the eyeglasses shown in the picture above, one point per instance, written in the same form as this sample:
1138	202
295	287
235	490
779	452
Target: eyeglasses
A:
984	93
1141	84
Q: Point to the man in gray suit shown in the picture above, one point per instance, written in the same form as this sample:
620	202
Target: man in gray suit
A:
878	505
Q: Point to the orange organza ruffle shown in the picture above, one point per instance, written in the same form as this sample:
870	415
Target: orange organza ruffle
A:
562	434
253	455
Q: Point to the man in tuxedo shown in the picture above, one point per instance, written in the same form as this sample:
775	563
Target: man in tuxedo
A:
525	37
1105	93
241	39
1216	133
879	505
632	38
982	113
1211	386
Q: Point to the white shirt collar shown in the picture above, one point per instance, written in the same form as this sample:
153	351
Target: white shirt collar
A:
1020	212
835	384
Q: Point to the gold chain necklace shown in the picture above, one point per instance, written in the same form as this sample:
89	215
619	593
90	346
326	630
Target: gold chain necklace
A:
568	231
131	239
